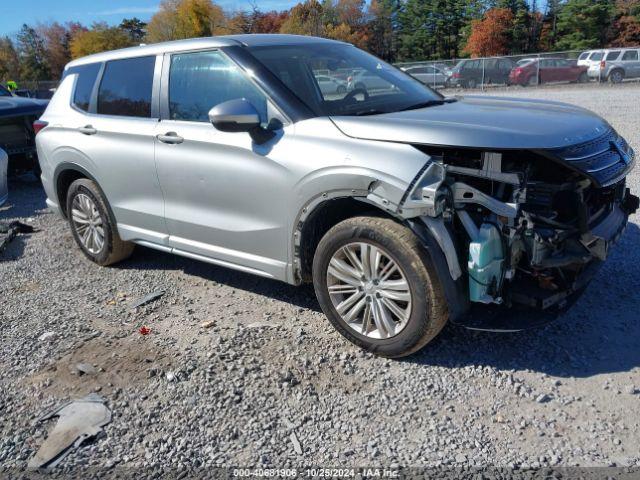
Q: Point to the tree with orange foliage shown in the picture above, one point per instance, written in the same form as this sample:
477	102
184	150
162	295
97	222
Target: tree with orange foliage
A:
626	26
491	35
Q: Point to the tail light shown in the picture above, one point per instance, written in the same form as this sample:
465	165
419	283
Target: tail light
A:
39	125
517	70
456	75
603	64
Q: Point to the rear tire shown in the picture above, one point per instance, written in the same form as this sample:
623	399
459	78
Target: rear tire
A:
92	225
617	76
583	78
424	313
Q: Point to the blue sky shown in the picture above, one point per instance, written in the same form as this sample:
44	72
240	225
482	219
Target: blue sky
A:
13	13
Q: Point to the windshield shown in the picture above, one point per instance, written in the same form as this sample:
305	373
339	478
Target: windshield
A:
337	79
4	92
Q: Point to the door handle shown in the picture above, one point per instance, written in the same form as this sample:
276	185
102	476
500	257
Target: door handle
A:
88	130
170	137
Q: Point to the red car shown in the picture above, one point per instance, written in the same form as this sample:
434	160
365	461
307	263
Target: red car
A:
549	70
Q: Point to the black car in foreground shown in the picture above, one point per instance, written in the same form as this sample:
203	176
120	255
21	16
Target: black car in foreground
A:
17	137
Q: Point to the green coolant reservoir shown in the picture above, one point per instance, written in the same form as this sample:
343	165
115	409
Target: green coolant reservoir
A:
486	259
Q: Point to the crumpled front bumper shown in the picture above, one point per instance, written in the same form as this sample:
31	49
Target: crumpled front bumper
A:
533	309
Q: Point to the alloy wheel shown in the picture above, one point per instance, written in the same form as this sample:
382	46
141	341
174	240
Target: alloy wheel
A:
87	223
369	290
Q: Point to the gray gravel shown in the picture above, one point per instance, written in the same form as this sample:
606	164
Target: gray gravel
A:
239	370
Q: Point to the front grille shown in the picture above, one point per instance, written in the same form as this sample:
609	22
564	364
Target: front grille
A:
607	159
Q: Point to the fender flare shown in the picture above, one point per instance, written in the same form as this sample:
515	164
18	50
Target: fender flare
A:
455	291
66	166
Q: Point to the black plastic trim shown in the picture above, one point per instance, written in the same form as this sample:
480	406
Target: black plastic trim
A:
454	290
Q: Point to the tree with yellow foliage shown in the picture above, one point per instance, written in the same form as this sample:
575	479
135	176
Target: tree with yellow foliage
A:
178	19
101	37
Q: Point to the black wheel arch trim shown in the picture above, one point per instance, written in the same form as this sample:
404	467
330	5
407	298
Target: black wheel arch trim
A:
66	166
455	291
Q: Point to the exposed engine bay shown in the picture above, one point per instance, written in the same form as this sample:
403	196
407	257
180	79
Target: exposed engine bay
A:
529	228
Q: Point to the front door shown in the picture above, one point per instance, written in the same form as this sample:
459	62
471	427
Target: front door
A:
225	197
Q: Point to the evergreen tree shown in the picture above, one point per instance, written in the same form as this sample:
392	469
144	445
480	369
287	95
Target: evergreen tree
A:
584	24
32	55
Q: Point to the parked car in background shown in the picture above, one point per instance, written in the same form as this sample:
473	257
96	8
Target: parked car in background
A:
524	61
588	58
369	82
17	136
4	165
427	74
329	85
404	208
616	65
474	72
548	70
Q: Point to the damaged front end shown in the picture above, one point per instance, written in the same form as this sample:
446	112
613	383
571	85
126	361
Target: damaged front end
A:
523	229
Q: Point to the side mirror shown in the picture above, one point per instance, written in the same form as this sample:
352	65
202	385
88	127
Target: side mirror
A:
235	116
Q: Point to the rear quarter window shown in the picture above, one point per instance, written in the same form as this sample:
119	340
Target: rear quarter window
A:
126	87
613	55
85	82
630	55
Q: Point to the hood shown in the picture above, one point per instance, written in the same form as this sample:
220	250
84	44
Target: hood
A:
14	106
482	122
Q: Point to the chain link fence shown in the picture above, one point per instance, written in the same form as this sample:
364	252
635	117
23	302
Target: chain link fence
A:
613	65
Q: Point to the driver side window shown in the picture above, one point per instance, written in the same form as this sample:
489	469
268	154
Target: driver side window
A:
199	81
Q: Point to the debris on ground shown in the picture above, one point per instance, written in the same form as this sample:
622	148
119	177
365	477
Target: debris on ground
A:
144	330
47	337
85	369
78	421
296	444
208	324
8	232
147	299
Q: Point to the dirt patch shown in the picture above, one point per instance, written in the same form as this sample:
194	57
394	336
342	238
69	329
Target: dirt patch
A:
119	363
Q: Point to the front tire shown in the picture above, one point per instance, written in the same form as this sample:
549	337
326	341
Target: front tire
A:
377	286
92	226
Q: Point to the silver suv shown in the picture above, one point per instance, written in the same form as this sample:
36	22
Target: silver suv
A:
405	209
615	65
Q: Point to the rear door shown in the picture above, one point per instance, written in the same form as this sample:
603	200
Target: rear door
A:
631	63
115	141
225	196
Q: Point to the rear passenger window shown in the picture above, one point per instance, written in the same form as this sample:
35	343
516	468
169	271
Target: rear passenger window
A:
630	55
84	84
200	81
126	87
613	55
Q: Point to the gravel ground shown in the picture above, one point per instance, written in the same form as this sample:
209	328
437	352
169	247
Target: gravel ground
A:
269	382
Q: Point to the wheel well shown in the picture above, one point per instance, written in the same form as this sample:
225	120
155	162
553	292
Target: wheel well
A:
617	69
63	182
322	219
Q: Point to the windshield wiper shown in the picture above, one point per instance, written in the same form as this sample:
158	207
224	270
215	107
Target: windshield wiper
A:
429	103
371	111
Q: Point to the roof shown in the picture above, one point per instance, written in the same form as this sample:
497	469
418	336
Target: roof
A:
249	40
